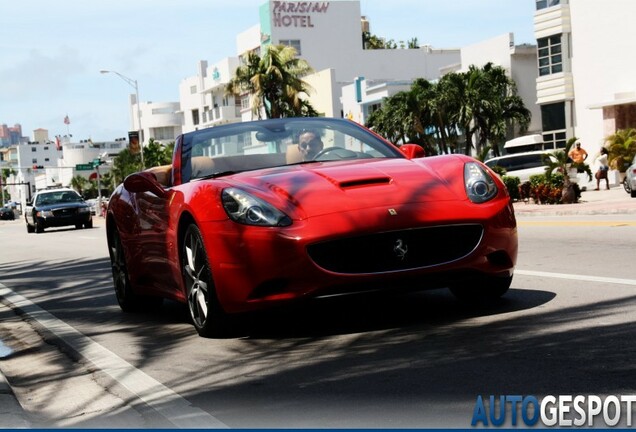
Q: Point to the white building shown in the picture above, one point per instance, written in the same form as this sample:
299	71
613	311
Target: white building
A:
38	166
314	29
586	86
160	121
364	96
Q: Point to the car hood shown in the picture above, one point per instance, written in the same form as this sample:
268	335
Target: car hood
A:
315	189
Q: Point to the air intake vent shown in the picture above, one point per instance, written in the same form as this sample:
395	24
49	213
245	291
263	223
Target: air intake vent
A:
365	182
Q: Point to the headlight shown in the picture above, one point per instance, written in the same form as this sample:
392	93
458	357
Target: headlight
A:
244	208
45	213
83	210
480	187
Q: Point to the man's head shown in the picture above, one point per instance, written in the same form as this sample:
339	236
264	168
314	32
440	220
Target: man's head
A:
578	145
309	144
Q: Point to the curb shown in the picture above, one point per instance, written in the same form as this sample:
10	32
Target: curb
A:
12	416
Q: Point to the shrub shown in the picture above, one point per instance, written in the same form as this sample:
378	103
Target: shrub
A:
512	184
547	190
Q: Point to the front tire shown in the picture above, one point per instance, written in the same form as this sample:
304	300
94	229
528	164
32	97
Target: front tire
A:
485	289
38	227
207	315
30	228
127	299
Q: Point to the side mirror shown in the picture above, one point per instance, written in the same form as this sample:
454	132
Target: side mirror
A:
144	182
413	151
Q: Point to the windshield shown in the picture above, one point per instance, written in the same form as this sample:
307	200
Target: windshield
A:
273	143
57	197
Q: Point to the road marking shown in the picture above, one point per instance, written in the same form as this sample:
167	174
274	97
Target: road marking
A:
577	277
163	400
571	223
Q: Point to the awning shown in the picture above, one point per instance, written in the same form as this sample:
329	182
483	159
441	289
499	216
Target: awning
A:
619	99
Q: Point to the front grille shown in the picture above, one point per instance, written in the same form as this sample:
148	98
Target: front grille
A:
397	250
65	212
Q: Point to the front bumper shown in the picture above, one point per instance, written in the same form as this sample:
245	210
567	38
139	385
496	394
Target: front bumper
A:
253	267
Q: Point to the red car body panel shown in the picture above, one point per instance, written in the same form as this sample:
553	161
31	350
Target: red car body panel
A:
257	266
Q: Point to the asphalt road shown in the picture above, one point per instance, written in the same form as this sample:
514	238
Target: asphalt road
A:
417	360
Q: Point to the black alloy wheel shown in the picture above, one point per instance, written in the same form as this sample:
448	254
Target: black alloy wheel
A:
208	317
128	301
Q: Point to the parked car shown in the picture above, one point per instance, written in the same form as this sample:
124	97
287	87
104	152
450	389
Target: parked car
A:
263	224
630	179
57	208
6	213
92	203
522	165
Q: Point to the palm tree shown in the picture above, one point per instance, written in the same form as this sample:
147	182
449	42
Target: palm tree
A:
156	153
125	163
500	108
79	183
274	83
622	148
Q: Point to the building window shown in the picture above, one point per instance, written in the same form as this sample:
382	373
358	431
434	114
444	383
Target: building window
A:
193	89
542	4
46	159
245	102
34	160
46	147
553	123
164	133
550	55
294	43
33	149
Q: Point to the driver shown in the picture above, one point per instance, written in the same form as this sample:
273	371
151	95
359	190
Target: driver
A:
309	144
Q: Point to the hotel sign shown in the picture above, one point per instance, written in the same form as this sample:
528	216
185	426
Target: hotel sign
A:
296	14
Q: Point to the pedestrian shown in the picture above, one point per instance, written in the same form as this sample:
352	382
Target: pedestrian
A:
578	156
603	169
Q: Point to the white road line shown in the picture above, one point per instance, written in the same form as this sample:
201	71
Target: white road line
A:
163	400
577	277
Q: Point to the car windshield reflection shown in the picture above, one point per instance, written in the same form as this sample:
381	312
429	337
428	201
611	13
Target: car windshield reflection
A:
275	143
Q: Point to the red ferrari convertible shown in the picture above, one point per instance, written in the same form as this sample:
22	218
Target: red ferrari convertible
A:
253	214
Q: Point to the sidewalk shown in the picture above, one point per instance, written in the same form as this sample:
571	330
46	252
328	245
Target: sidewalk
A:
613	201
12	416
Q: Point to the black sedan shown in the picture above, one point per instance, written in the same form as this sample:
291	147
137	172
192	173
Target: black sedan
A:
57	208
6	213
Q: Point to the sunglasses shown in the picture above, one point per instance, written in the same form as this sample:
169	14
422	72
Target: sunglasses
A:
313	143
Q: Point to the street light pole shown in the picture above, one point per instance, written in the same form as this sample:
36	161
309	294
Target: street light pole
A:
133	83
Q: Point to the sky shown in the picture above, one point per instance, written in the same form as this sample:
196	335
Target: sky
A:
51	52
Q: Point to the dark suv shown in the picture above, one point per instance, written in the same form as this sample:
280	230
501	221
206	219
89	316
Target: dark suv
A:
56	208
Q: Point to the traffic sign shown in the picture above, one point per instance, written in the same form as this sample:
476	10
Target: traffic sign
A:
84	167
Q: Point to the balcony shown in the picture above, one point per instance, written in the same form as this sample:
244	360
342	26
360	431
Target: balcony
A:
552	20
220	115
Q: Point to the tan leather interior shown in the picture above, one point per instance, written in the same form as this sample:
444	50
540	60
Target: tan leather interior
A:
293	154
162	173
